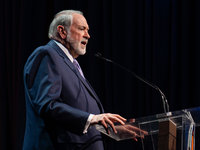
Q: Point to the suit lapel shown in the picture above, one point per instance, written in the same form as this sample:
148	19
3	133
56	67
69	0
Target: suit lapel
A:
70	64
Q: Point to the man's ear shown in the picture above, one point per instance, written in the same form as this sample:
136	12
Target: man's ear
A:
61	31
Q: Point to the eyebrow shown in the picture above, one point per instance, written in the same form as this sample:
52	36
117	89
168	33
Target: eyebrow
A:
86	27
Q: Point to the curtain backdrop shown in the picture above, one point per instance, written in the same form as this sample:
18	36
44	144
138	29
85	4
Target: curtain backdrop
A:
157	39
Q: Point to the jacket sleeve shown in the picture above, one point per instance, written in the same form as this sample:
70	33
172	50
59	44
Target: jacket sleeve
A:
44	84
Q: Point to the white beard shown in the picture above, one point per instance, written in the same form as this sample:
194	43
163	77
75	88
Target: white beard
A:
75	45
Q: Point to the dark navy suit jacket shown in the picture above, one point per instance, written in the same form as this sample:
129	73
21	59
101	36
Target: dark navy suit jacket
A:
58	103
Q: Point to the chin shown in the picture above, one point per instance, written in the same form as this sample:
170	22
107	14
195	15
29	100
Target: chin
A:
81	52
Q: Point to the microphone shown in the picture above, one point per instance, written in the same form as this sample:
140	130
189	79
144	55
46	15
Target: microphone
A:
164	99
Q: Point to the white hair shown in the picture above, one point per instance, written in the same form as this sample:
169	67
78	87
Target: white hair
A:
63	18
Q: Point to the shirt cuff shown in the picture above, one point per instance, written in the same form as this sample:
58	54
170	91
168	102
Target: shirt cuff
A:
87	123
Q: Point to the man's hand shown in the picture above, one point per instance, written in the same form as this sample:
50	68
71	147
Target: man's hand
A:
127	131
107	119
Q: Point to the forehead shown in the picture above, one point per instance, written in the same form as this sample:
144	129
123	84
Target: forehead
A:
79	20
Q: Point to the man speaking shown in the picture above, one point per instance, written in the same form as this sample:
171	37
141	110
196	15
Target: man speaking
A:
61	106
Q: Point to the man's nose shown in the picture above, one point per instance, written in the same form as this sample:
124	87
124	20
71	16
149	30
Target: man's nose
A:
87	35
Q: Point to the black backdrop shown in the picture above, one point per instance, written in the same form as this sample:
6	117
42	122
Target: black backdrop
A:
157	39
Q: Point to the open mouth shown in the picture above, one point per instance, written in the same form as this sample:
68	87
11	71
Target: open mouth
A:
84	43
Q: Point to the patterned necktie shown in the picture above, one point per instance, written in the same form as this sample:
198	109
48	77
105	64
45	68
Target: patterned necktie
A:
76	64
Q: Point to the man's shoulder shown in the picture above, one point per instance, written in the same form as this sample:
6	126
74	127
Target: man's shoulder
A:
41	52
49	48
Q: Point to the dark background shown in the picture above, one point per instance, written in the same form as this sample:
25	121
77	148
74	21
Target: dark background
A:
156	39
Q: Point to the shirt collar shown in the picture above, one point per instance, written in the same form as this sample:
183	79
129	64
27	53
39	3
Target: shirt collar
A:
65	50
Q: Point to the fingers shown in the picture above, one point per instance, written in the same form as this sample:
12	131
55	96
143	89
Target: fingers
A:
144	132
108	119
135	139
104	124
136	129
116	118
111	124
131	120
133	131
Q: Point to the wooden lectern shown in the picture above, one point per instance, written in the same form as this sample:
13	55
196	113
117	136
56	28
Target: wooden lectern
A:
167	135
